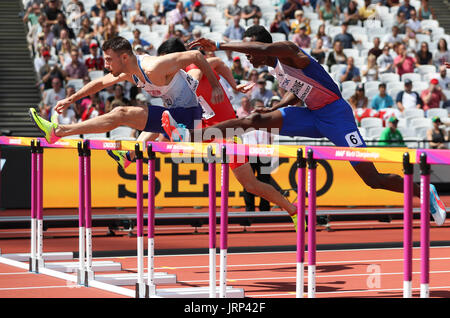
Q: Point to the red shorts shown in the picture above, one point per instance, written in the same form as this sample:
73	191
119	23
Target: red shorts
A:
235	160
222	111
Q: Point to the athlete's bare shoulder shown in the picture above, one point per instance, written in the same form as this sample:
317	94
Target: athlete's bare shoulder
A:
297	58
152	69
148	62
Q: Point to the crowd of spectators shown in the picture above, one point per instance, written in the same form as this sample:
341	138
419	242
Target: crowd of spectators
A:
65	37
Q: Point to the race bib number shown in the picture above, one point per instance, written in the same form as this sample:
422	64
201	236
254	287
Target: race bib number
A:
208	112
353	139
192	83
296	86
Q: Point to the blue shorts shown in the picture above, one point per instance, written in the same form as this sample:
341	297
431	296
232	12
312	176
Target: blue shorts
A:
185	116
335	121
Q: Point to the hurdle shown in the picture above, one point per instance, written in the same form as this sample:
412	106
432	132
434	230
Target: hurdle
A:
212	223
85	220
87	268
193	292
366	154
36	257
426	158
301	176
408	170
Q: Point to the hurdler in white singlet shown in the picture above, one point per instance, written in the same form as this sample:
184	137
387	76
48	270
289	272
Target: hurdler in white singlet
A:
180	92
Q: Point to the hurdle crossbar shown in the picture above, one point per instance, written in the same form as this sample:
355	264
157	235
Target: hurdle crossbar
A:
406	156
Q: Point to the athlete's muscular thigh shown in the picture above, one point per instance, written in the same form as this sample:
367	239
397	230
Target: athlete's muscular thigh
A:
132	116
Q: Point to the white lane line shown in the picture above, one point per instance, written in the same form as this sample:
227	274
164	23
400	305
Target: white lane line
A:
37	287
317	276
348	292
349	262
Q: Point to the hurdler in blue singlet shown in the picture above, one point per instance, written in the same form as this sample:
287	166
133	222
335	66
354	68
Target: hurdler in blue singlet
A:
326	113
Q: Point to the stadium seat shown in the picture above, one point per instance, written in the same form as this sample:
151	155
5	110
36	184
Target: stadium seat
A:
336	68
333	31
388	21
126	34
424	69
440	112
381	12
389	77
375	132
393	10
395	85
413	112
111	15
421	132
325	67
277	36
369	122
363	132
428	76
371	93
311	15
161	29
419	86
411	76
372	24
429	24
407	132
447	93
144	28
371	85
437	33
420	122
351	52
215	36
348	85
393	92
76	82
95	74
355	29
423	38
346	94
376	32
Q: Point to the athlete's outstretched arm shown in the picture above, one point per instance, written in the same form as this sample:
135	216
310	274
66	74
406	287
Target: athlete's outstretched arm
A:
90	88
282	49
222	69
289	99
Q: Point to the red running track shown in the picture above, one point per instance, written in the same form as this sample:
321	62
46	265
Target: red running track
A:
356	273
343	273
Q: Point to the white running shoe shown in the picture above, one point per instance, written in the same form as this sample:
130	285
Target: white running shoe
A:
437	207
176	132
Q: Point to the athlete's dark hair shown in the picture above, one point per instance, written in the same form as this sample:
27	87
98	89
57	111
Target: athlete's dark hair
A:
171	45
258	33
119	45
